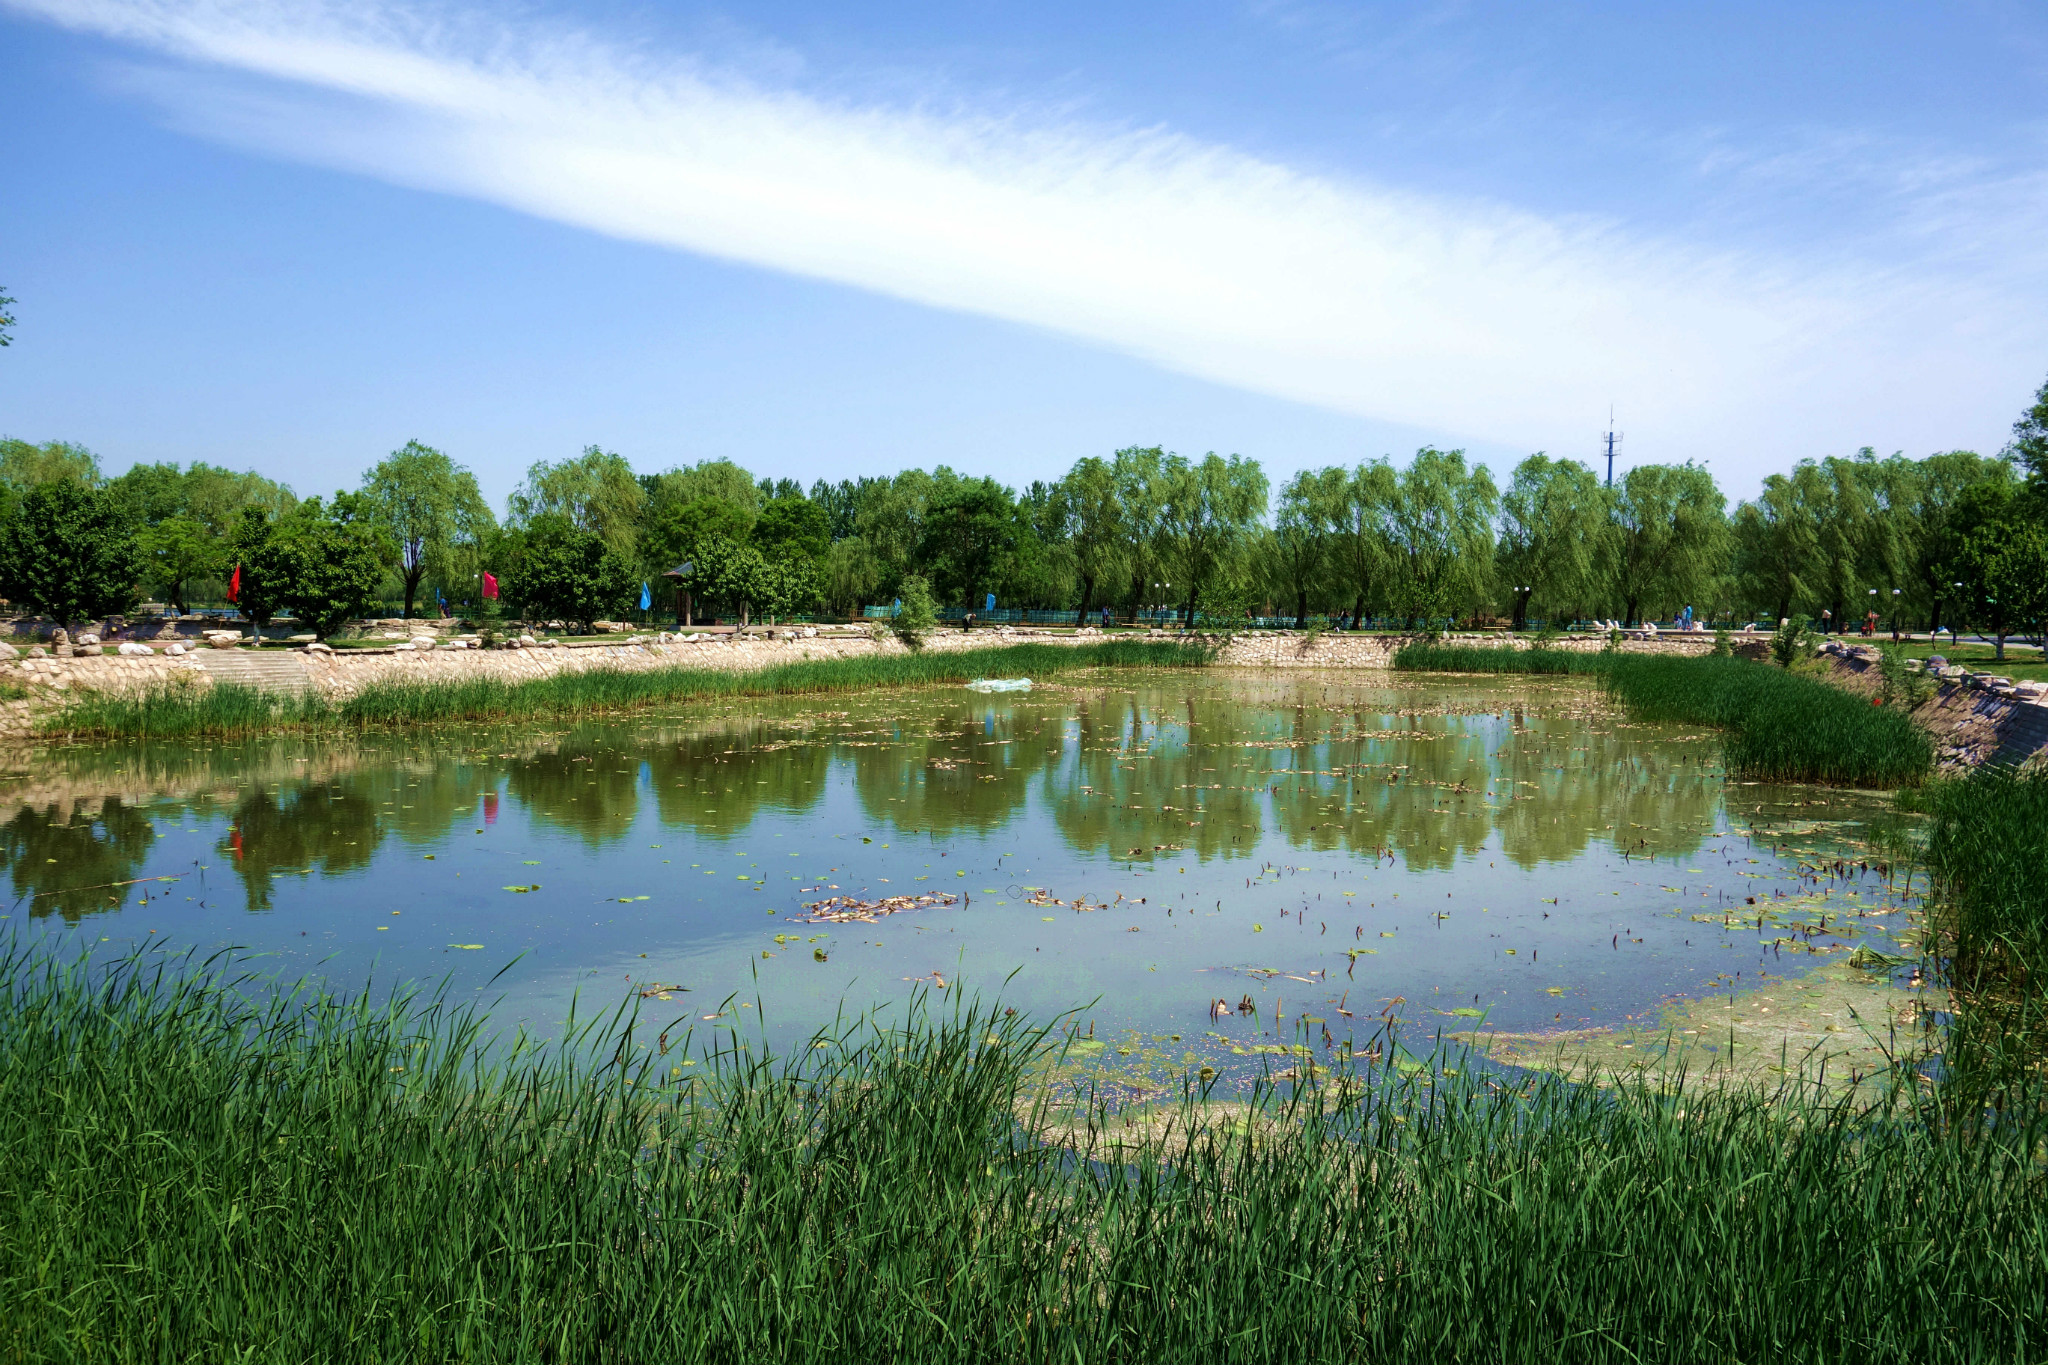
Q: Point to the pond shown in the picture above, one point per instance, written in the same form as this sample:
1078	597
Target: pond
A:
1311	851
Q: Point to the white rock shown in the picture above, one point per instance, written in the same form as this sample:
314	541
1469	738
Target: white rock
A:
175	648
319	647
422	642
8	651
527	640
131	647
86	637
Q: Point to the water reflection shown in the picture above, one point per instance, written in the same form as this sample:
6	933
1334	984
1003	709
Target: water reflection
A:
1124	768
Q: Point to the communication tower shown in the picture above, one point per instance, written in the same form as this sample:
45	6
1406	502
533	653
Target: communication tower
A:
1613	440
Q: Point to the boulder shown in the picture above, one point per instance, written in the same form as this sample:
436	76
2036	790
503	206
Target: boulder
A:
423	642
89	651
86	637
176	647
8	651
168	630
318	647
301	639
130	647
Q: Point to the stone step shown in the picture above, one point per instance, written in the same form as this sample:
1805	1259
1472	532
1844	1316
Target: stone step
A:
270	671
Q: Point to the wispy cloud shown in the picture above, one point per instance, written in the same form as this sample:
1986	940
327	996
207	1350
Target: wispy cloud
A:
1471	318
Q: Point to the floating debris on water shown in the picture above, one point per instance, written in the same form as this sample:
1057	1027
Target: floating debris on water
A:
854	910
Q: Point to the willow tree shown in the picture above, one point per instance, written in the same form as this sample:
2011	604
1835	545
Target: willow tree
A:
1089	517
1138	472
1552	521
1777	540
1311	518
1363	549
595	492
1441	527
430	511
1668	537
1206	510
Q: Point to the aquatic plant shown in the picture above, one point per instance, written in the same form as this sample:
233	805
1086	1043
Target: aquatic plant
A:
234	710
193	1166
1781	726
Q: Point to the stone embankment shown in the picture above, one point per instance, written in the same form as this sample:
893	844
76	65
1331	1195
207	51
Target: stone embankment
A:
1975	718
44	682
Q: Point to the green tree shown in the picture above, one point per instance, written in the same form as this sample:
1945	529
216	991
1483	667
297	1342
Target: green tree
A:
565	570
2002	563
7	320
969	524
1442	531
248	552
430	511
1091	519
24	465
1141	489
1777	540
1669	536
323	563
1364	548
1942	521
595	492
68	552
793	526
1207	510
1552	521
1312	517
2030	438
175	551
852	575
919	616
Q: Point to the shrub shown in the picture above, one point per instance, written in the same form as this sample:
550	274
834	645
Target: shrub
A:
919	616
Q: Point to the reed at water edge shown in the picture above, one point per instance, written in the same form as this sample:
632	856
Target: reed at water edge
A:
1781	727
228	710
194	1166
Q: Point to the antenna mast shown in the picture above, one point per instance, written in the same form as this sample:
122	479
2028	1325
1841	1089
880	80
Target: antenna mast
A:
1613	440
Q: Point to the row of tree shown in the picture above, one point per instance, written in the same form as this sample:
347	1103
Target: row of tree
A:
1952	537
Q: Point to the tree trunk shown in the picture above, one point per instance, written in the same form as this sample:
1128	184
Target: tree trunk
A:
1521	621
412	585
1358	611
1300	607
1087	593
1628	613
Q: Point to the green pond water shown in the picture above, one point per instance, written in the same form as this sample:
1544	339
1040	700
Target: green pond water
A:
1134	846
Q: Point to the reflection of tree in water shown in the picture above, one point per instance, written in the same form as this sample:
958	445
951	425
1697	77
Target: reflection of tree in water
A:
1409	783
716	784
1573	779
960	772
62	857
330	827
591	790
1158	778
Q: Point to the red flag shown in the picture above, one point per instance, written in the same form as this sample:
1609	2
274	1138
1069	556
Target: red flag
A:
490	585
490	808
235	585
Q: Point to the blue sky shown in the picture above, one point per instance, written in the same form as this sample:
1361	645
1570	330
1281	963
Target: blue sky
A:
831	239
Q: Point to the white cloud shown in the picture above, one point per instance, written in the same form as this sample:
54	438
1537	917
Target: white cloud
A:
1470	318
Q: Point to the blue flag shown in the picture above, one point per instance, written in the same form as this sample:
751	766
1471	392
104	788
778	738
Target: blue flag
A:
991	603
646	600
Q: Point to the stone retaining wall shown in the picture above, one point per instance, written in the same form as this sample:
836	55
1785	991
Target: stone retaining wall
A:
343	672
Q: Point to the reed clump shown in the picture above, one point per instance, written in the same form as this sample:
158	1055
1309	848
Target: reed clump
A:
1781	726
1987	853
231	710
195	1167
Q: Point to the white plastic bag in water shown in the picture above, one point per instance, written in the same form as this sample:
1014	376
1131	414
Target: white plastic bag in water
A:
1000	685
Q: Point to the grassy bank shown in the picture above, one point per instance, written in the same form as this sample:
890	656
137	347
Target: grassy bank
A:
230	710
1781	727
192	1168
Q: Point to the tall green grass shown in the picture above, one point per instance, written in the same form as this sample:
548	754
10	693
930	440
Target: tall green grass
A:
1782	726
234	710
195	1168
1987	853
